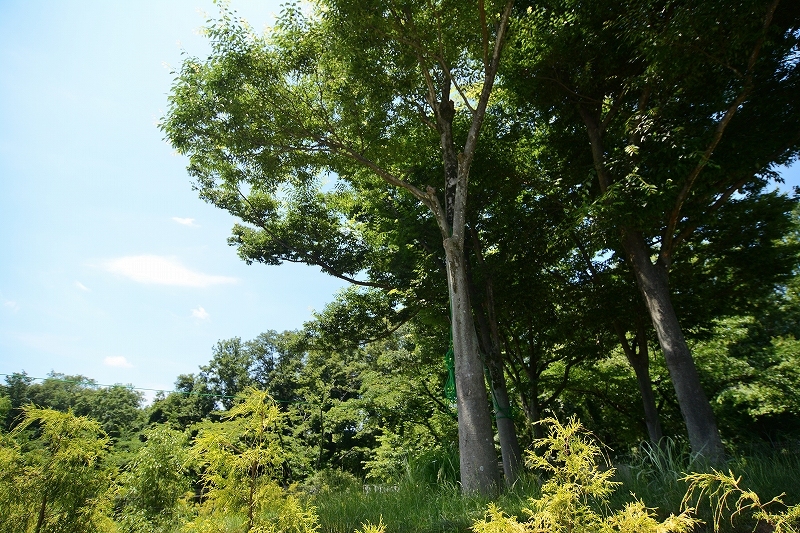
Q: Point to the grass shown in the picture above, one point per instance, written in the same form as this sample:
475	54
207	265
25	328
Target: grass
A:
657	477
411	506
654	475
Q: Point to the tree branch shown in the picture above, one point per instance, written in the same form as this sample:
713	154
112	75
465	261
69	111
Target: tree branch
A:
669	231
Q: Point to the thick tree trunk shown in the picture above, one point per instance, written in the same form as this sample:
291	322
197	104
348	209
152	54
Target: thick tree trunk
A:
478	460
639	359
695	407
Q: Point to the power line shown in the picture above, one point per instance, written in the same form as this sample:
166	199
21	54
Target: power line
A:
91	383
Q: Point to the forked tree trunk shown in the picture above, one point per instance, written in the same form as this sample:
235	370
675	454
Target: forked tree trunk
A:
653	285
695	408
478	461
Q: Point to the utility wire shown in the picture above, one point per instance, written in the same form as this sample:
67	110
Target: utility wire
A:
94	384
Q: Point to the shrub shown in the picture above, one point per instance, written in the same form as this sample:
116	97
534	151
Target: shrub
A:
574	498
238	459
57	481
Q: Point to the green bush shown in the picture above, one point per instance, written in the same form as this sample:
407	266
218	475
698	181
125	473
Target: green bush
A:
238	460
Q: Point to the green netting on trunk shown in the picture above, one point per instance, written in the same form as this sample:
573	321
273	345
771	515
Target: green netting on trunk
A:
450	385
499	412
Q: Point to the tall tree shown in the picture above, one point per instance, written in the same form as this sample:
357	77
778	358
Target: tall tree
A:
366	91
682	104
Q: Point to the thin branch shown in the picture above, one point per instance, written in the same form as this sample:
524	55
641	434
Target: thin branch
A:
461	92
693	225
672	221
614	109
570	91
484	33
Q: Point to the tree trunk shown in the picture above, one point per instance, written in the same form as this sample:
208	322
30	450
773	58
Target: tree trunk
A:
532	408
695	408
489	342
506	429
653	284
637	354
42	509
478	460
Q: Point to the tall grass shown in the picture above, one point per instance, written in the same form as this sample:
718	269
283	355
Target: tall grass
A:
657	475
427	501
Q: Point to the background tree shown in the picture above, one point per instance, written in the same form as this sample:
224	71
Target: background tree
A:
228	372
153	482
191	402
16	389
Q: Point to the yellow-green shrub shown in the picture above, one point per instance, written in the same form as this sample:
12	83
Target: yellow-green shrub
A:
237	459
575	495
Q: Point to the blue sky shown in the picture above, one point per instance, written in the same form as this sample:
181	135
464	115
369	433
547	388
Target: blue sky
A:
110	266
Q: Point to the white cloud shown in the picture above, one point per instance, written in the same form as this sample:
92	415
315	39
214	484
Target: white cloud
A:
185	222
81	286
154	269
200	313
118	361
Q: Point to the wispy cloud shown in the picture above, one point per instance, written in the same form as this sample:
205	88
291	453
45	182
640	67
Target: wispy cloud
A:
11	305
200	313
117	361
157	270
185	222
81	286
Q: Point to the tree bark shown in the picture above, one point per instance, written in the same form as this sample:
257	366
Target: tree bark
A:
489	341
638	357
695	408
510	450
478	461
